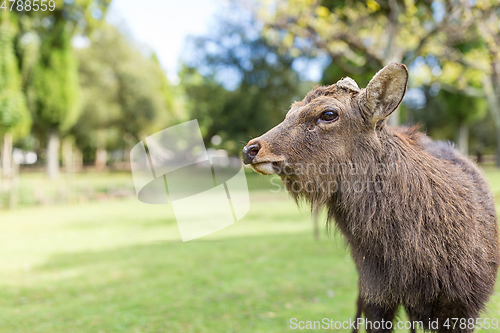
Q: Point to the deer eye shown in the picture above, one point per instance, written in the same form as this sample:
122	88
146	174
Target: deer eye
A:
329	116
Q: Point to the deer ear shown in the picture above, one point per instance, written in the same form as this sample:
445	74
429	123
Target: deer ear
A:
386	89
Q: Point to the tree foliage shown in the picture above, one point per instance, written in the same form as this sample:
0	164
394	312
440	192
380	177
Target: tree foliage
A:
55	81
238	85
13	110
445	110
360	36
124	92
356	34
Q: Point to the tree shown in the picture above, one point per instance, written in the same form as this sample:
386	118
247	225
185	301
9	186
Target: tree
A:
359	36
469	55
237	84
125	94
447	115
57	92
486	16
53	88
13	111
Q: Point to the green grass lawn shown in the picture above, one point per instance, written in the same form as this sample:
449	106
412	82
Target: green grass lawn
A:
120	266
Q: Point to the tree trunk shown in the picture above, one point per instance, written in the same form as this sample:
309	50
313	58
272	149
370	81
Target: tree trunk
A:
463	139
315	218
13	193
6	169
494	109
393	53
498	149
68	161
100	158
77	160
7	159
393	119
53	155
10	172
68	156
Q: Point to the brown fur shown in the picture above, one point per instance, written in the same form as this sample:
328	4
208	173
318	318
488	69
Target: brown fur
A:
426	237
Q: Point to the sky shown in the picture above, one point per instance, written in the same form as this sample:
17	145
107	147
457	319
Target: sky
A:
164	24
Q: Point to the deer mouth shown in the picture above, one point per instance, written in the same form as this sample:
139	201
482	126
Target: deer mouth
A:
267	167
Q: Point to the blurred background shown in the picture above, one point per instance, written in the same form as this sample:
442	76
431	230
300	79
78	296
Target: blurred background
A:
83	81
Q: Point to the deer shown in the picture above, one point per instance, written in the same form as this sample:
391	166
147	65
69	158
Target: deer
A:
417	215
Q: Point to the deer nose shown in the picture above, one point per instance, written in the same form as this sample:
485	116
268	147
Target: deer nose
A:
249	153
